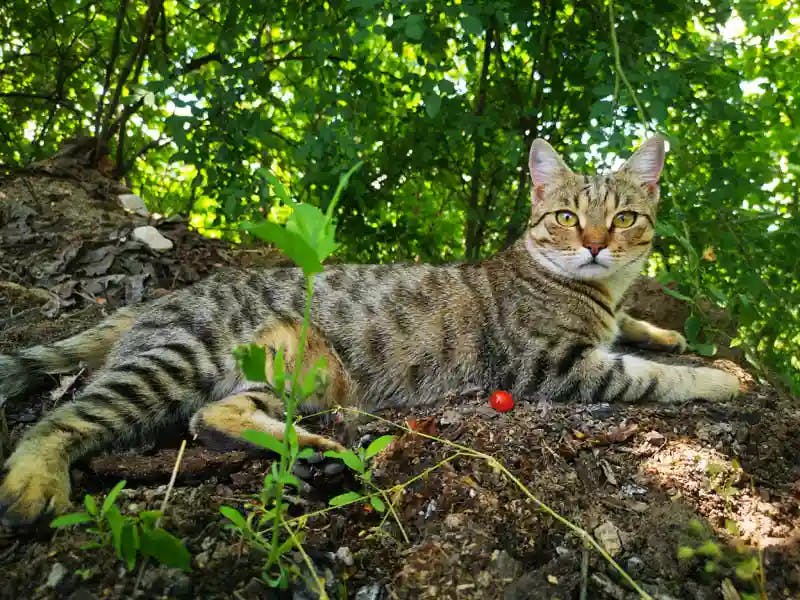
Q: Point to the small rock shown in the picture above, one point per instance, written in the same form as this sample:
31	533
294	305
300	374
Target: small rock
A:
316	458
345	556
333	468
152	238
563	551
179	586
654	438
133	203
487	412
454	520
207	543
450	417
82	594
374	591
631	489
201	559
430	509
505	565
602	410
302	471
57	572
634	565
608	536
609	588
254	590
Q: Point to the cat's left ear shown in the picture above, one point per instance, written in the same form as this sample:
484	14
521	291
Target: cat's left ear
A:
646	163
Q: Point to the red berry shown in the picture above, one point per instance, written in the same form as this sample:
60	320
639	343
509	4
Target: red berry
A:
501	401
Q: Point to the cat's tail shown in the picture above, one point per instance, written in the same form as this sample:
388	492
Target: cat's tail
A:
26	370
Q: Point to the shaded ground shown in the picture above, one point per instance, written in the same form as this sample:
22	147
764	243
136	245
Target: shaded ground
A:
636	476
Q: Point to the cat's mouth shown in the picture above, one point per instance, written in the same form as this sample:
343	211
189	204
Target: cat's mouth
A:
593	263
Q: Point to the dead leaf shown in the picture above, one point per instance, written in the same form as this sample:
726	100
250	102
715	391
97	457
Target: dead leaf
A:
620	433
608	472
426	425
65	385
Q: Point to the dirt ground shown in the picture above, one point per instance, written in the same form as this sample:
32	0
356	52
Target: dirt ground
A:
644	480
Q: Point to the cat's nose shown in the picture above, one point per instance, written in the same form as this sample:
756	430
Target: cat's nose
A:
593	248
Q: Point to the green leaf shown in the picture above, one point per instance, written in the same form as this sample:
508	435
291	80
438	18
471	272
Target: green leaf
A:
346	498
289	243
675	294
112	496
344	179
91	504
265	440
165	548
377	445
692	328
289	479
433	103
149	518
279	372
472	25
129	545
349	458
116	523
313	379
252	360
306	453
377	503
234	516
704	349
415	27
76	518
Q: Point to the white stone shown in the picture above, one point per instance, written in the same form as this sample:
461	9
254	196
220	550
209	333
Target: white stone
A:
152	237
134	204
608	536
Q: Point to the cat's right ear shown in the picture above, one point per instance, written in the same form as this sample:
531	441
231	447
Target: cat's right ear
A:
546	167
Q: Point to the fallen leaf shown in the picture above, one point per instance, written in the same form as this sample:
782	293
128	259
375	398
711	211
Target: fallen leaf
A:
426	425
620	433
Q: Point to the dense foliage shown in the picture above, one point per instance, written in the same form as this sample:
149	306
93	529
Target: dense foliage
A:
208	106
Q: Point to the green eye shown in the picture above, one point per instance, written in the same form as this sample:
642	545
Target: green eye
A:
566	218
625	219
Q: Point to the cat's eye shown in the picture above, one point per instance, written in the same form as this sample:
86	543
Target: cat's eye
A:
624	219
566	218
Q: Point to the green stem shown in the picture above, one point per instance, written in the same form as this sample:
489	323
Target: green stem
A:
290	400
618	65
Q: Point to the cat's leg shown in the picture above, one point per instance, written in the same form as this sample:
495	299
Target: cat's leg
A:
126	400
648	336
221	423
596	374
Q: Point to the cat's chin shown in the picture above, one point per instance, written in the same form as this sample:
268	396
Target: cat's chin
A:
592	272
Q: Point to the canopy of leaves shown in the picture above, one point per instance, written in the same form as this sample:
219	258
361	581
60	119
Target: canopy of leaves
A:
218	111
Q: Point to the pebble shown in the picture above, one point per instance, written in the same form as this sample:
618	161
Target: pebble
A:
57	572
152	238
133	203
450	417
373	591
316	458
345	556
82	594
505	565
602	410
634	565
608	536
654	438
333	468
302	471
631	489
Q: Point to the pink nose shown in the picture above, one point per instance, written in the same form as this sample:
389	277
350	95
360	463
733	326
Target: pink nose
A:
594	248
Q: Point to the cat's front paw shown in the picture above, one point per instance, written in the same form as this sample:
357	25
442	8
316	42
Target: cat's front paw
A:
715	385
30	493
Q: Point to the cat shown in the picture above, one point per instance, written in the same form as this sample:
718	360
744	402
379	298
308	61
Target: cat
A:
537	319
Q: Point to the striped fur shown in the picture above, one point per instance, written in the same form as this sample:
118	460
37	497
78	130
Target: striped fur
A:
537	319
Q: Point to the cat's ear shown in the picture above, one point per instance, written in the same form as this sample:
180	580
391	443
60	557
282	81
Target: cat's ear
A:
646	163
546	167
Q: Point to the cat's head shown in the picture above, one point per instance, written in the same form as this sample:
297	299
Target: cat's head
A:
593	227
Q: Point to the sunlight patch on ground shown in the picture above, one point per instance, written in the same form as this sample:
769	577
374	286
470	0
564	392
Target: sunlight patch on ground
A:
718	489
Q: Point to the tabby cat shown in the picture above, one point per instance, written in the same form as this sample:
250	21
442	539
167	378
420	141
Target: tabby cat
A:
538	319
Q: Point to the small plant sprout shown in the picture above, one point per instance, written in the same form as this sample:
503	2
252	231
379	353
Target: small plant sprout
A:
132	537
